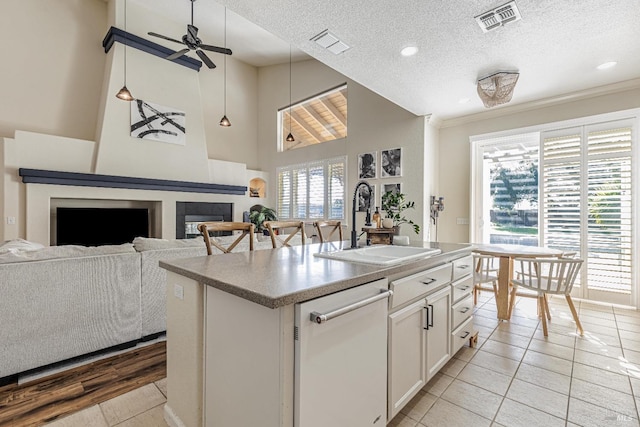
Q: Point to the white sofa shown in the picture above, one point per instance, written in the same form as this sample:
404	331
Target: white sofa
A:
61	302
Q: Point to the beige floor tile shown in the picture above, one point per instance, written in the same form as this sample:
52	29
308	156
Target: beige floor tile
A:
588	415
538	397
588	320
486	378
629	335
466	353
545	361
552	380
91	416
635	386
595	313
628	316
602	377
595	394
487	322
632	356
453	367
483	331
438	384
475	399
443	413
485	313
494	362
512	328
154	417
511	339
599	361
401	420
630	344
584	305
551	349
130	404
419	405
503	349
162	386
565	338
600	339
631	327
530	322
515	414
600	330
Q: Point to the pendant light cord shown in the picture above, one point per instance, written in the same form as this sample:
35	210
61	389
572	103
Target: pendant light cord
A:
225	62
125	43
289	88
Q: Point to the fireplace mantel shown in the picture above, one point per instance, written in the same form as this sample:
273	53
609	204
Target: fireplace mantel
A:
39	176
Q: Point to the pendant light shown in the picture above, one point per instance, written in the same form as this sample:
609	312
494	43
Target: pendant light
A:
124	93
224	122
290	137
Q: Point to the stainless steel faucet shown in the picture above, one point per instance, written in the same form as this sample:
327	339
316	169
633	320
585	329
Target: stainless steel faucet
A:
354	234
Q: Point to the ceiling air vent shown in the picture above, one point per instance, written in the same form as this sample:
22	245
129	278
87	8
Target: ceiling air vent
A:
499	16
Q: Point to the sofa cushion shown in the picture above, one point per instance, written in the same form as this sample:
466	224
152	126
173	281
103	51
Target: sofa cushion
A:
65	251
151	244
19	245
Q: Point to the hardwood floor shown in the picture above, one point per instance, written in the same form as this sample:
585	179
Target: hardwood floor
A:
41	401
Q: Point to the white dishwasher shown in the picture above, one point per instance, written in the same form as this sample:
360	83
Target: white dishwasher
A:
341	358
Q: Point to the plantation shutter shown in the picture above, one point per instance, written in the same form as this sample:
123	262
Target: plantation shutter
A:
284	193
609	228
316	191
335	199
587	206
300	186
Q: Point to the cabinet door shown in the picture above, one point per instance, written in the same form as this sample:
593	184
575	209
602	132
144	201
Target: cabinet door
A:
438	350
406	355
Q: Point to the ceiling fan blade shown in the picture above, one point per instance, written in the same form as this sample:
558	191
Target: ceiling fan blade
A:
205	59
164	37
215	49
177	54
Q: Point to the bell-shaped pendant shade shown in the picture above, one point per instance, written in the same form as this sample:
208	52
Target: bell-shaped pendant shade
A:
290	138
224	122
124	94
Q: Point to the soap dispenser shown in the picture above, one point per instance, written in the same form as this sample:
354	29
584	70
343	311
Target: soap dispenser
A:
376	218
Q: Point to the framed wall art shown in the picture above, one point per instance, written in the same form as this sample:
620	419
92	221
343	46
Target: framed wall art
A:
391	162
364	197
367	165
157	122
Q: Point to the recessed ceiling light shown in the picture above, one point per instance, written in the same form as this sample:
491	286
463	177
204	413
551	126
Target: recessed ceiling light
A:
464	100
409	51
606	65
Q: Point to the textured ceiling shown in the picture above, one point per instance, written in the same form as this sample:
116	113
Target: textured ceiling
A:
555	47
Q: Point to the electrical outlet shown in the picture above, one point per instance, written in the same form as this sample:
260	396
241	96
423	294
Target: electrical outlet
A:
462	221
178	291
11	220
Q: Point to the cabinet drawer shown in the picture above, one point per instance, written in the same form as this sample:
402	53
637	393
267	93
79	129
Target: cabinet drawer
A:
462	267
411	287
462	288
462	310
461	335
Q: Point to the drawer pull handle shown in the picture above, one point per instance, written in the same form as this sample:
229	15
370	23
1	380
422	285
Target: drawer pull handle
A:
466	334
428	280
464	310
464	288
429	309
463	266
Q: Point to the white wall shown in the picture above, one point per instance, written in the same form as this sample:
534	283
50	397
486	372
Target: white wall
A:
455	149
374	123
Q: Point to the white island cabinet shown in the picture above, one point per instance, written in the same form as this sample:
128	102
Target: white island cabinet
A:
243	350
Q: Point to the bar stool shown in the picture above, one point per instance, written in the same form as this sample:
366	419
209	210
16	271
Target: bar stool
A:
272	226
337	226
206	227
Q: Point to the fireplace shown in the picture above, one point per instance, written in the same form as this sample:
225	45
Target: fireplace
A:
190	214
100	226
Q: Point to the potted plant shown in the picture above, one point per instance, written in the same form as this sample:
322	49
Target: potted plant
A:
394	204
258	214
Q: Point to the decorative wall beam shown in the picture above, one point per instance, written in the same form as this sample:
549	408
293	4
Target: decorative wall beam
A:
39	176
117	35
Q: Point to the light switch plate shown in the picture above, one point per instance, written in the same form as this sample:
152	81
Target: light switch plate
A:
462	221
178	291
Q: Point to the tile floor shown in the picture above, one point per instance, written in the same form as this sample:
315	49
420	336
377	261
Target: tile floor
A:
514	377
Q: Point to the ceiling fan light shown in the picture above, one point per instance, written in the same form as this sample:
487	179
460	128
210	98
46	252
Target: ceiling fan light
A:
124	94
290	138
224	122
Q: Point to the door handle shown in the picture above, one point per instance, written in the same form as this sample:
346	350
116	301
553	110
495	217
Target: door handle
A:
429	309
320	318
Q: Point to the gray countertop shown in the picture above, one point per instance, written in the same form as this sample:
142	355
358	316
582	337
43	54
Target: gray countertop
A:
278	277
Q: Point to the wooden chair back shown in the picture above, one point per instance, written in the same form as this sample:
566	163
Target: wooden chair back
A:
335	226
205	228
272	226
548	276
485	269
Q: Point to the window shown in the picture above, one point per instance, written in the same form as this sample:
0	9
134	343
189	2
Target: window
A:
315	120
567	186
312	190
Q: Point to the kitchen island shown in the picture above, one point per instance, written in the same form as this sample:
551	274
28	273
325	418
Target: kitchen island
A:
230	328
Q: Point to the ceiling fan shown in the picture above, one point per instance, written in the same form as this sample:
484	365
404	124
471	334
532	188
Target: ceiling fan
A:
192	42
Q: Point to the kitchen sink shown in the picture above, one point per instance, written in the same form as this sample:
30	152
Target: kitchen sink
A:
379	254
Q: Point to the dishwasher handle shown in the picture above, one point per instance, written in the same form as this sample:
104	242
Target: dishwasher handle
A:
320	318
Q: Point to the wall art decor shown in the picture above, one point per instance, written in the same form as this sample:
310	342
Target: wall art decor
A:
395	187
157	122
391	162
367	165
364	196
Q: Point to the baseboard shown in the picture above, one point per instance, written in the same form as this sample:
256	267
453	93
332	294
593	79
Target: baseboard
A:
171	418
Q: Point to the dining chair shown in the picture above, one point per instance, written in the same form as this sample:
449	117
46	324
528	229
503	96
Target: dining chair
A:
206	228
485	271
547	276
273	226
335	226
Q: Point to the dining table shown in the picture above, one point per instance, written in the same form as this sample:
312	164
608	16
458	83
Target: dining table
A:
507	253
